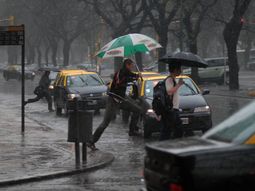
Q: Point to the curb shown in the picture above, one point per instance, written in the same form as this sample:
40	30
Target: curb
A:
108	158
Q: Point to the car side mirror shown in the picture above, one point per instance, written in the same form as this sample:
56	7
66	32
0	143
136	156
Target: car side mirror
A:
206	92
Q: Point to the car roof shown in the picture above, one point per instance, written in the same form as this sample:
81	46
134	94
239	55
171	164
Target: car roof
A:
75	72
159	77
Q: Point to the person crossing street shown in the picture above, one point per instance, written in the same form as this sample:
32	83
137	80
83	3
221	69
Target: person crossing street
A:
42	91
117	99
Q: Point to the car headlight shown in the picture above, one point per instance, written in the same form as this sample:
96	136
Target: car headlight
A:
51	87
33	73
73	96
202	109
104	94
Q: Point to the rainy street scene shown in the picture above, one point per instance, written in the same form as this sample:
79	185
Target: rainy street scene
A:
127	95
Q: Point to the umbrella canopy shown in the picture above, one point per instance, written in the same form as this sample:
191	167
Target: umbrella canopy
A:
128	45
185	59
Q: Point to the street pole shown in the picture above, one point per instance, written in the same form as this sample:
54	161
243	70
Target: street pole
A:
181	27
23	86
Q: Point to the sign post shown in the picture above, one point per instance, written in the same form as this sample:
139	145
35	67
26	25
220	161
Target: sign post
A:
15	36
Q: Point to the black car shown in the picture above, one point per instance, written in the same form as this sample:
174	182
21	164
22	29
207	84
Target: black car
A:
86	87
195	112
222	159
14	72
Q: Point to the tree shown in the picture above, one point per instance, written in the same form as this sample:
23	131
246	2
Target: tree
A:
161	13
122	17
231	35
64	21
194	12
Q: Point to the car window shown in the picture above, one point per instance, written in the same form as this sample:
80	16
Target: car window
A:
187	89
216	62
236	129
84	80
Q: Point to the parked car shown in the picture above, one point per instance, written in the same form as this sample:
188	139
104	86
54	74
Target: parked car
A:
81	85
222	159
195	112
14	72
215	72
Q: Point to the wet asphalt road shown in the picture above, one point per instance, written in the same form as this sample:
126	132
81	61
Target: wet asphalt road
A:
125	173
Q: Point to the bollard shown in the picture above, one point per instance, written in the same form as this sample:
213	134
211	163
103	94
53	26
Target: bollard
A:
80	124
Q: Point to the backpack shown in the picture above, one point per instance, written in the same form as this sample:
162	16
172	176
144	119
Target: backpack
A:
161	102
38	90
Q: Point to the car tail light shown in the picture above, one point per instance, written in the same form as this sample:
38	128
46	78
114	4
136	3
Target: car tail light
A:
175	187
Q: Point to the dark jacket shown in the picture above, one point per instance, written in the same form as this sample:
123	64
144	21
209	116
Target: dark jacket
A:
120	81
44	82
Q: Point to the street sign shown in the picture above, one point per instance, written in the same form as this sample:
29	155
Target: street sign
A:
15	35
12	35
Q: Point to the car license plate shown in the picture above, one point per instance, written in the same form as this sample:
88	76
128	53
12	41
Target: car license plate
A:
93	102
185	121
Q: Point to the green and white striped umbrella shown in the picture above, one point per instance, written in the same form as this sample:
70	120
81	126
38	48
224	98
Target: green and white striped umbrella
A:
128	45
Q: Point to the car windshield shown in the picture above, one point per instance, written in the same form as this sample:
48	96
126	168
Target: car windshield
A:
236	129
187	89
84	80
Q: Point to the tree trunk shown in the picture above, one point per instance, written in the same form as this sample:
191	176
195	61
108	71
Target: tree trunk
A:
193	49
248	42
31	54
139	61
46	55
12	55
54	51
39	56
66	52
163	40
231	35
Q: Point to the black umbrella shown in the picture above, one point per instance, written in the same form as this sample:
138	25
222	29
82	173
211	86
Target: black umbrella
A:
185	59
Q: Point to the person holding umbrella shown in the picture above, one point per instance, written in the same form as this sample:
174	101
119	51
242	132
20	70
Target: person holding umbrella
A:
123	46
170	117
117	99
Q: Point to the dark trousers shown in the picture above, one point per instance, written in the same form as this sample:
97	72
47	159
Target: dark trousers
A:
110	111
171	125
40	96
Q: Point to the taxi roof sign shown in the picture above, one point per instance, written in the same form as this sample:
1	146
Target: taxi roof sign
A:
20	28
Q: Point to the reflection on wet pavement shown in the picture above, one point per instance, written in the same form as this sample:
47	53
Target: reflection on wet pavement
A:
125	173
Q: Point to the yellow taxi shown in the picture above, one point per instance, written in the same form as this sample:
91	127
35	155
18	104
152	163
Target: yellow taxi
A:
195	112
71	85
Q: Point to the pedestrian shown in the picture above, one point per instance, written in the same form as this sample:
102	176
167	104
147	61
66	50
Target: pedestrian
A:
171	122
42	91
117	99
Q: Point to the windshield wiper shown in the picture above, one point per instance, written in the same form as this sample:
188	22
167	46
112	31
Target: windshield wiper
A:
193	91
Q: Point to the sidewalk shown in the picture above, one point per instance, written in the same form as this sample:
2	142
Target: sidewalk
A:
42	153
243	92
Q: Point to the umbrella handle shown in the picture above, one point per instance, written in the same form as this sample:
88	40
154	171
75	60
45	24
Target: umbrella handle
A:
139	71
